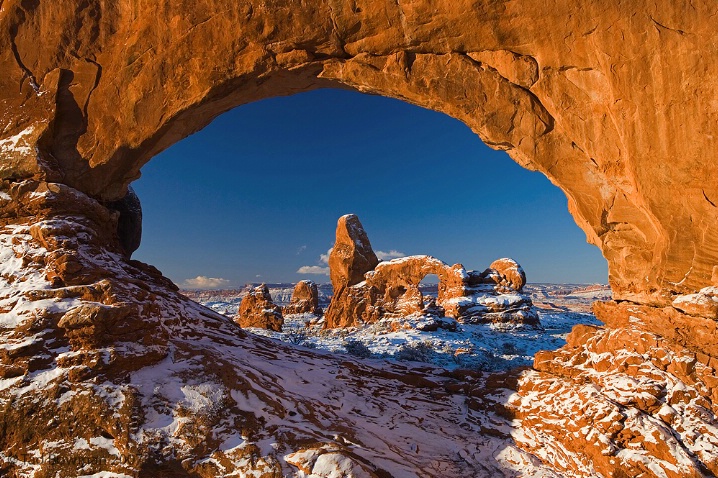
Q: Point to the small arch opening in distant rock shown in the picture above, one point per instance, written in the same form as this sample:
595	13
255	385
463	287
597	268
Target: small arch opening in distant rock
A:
429	285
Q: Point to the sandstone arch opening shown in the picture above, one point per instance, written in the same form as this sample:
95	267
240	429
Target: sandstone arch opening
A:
396	189
429	285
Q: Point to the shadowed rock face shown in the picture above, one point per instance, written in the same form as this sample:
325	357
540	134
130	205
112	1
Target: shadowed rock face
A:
614	102
129	224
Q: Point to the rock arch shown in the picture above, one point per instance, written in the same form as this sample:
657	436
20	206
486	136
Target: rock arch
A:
114	85
613	102
399	280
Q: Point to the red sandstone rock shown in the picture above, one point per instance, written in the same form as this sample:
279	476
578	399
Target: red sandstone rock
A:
629	138
258	310
353	305
305	299
620	398
391	289
352	255
509	273
561	102
397	283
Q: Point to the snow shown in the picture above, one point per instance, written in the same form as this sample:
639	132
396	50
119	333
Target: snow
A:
202	397
706	297
171	399
81	444
18	282
336	465
106	443
40	380
479	346
232	442
667	438
216	376
17	143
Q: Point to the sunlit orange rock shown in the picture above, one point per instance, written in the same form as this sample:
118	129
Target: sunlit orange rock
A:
352	255
305	299
110	89
391	289
258	310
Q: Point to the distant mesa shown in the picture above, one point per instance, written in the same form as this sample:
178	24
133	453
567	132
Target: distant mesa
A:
366	290
258	310
305	299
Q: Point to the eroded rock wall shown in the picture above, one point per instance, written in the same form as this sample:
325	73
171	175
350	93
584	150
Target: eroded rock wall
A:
612	102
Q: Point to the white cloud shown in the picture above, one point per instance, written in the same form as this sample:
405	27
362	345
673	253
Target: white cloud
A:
313	270
387	256
204	282
325	257
301	249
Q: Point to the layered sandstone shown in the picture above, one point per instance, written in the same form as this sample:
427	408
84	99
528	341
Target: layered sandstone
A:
626	397
305	299
258	310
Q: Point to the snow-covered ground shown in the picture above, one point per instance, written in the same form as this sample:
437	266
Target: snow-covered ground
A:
489	347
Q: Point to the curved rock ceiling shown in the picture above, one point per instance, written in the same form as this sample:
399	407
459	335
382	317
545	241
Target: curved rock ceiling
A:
602	99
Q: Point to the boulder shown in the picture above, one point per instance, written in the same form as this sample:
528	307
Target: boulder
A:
258	310
129	222
507	273
305	299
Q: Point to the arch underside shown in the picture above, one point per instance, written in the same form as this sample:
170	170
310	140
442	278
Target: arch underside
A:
557	101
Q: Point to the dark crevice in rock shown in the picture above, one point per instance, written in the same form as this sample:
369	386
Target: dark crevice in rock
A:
707	199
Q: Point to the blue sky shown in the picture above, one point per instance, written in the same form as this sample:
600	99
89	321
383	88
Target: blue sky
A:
256	194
